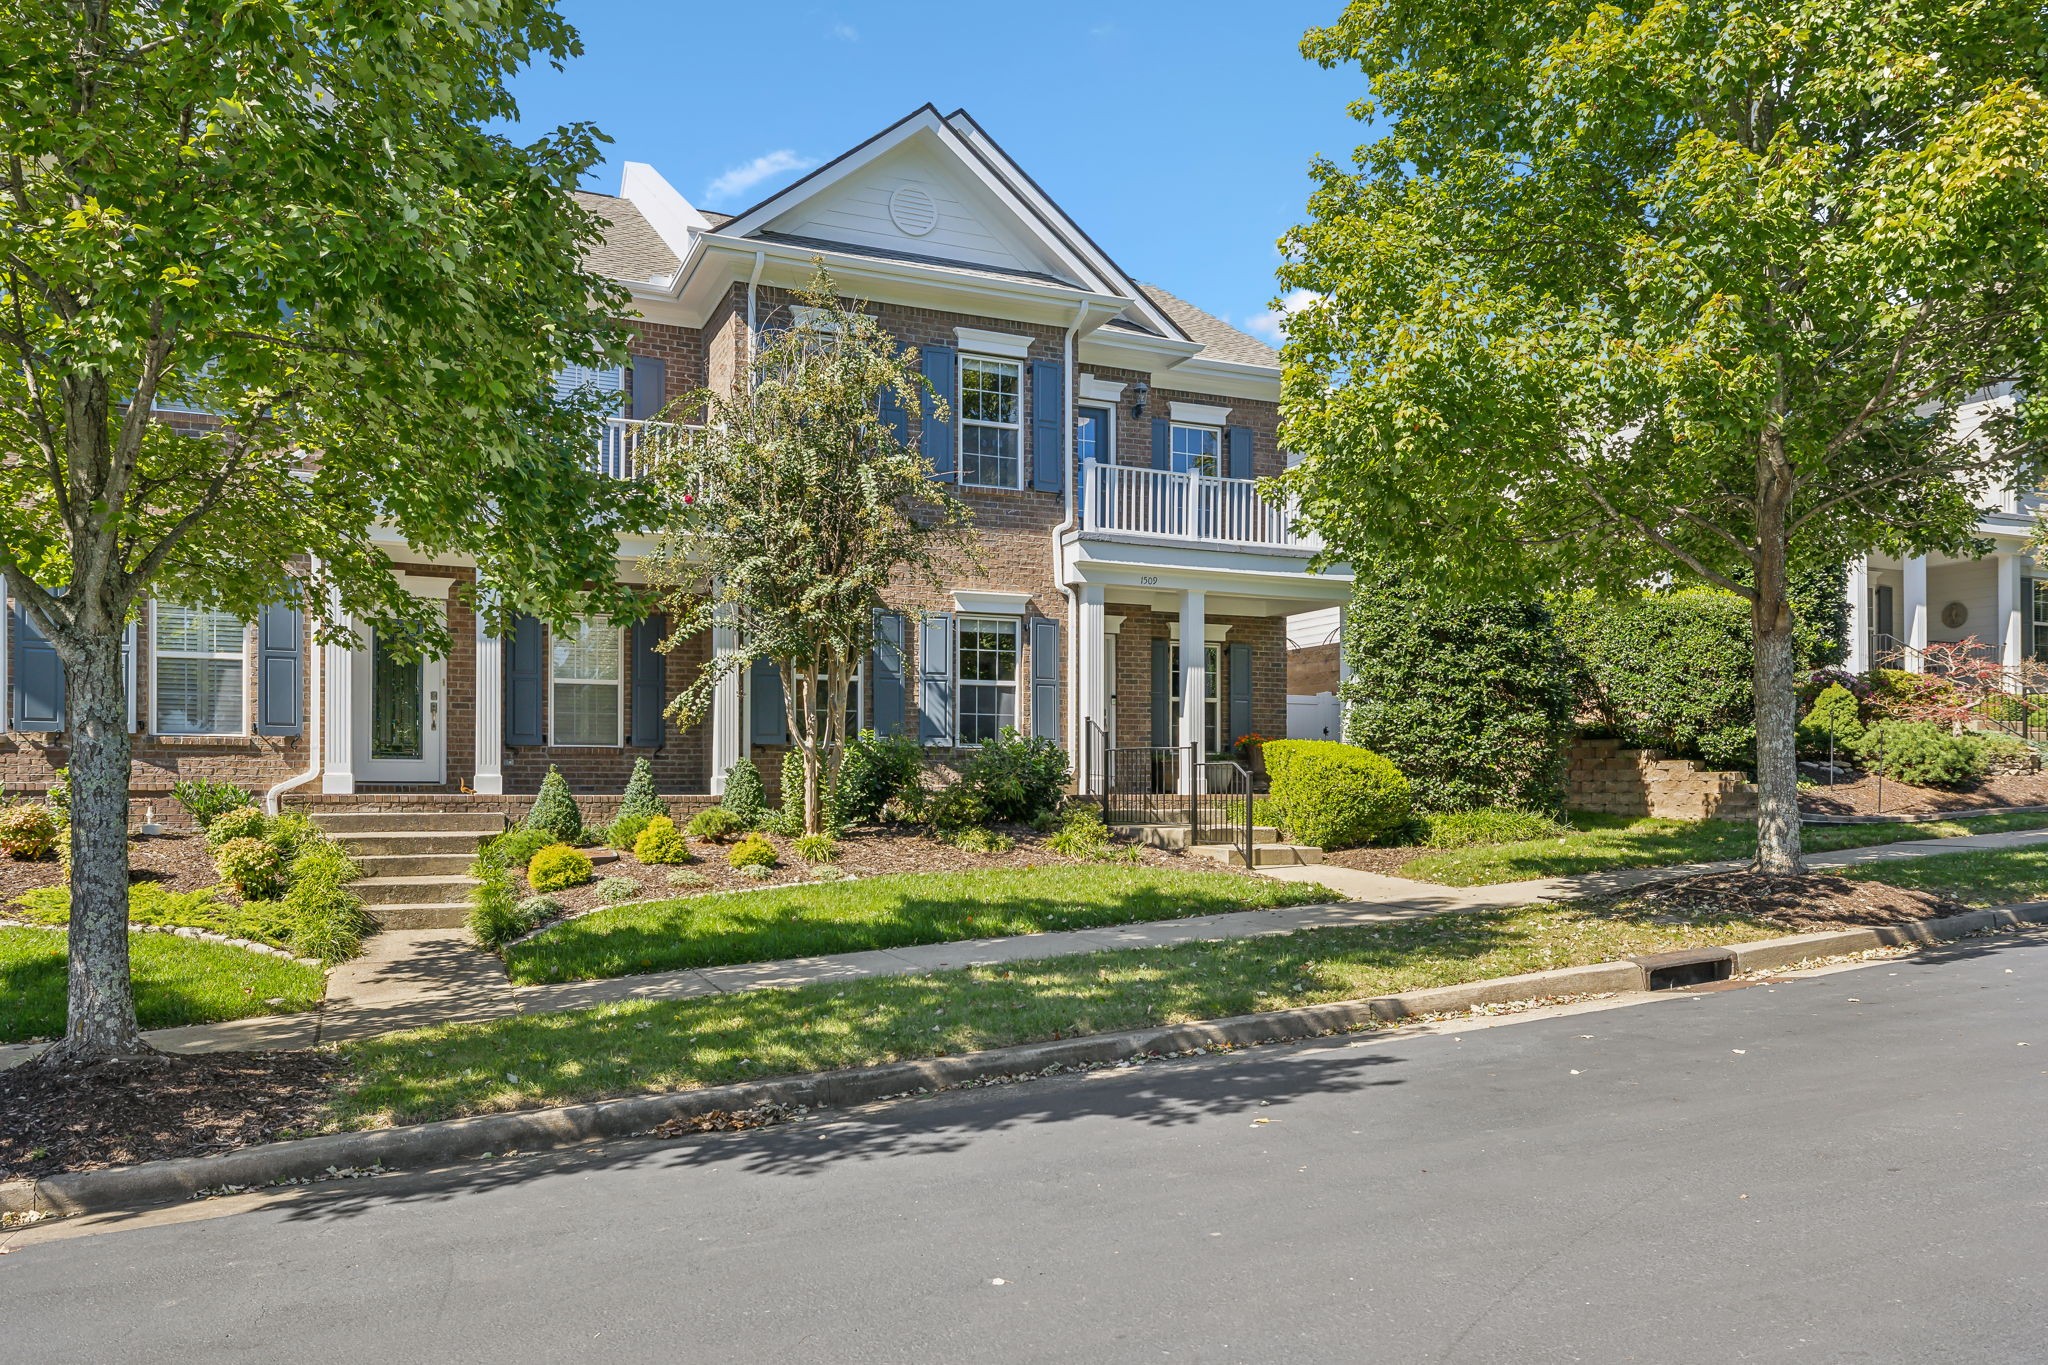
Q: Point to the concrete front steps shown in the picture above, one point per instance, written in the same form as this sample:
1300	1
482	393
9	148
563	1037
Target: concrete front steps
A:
1267	849
415	863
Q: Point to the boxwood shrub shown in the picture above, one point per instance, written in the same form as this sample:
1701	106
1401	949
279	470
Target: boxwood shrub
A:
1338	795
1920	753
557	868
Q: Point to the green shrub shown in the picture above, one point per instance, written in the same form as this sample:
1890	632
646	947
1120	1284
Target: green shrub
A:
661	842
1918	753
206	800
683	876
494	917
1081	835
956	807
557	868
1337	795
2003	753
816	849
980	839
1494	825
640	798
27	830
624	830
516	847
617	889
292	835
753	851
793	797
874	771
755	872
538	910
1267	814
745	795
241	822
252	867
326	921
714	823
1017	779
1668	671
1473	702
1835	711
58	797
554	810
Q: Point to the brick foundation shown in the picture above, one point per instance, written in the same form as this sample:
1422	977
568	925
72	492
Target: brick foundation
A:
1609	779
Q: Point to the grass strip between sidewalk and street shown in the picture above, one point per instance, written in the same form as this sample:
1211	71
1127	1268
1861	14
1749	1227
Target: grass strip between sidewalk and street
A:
548	1059
894	911
1602	843
178	981
1979	877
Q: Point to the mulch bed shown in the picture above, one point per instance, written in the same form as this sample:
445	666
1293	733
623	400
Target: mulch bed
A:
1805	903
179	861
869	851
1867	796
1388	862
170	1105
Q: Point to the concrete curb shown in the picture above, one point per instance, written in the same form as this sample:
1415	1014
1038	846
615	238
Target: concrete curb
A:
161	1182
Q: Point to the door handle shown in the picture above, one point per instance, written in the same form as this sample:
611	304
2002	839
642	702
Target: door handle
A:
433	710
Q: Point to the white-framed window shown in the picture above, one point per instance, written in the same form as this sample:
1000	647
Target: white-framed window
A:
1197	450
197	658
853	688
991	422
1212	694
587	669
987	695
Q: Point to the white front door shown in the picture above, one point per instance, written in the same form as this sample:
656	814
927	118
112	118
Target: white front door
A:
401	732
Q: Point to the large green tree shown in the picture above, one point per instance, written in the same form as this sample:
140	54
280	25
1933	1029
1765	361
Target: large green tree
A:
1684	289
293	216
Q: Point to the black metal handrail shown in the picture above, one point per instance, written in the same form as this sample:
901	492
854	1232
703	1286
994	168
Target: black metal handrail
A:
1148	784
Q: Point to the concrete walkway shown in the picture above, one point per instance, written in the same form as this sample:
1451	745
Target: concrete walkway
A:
409	978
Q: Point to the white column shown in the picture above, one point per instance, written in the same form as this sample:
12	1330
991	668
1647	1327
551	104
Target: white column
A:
1343	674
1091	656
1913	606
725	705
1194	635
1857	591
489	779
2011	620
338	764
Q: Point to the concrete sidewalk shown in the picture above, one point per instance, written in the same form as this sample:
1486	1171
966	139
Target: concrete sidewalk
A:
409	978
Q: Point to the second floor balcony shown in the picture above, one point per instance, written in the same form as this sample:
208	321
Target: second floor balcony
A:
627	449
1170	505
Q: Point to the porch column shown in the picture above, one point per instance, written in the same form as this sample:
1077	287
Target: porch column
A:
1091	680
1194	635
338	668
725	704
2011	621
1857	590
1913	606
489	778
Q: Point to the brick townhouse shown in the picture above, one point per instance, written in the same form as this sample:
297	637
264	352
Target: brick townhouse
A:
1107	435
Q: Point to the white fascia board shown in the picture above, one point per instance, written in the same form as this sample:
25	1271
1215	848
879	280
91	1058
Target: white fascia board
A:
1015	345
1096	390
985	603
1129	351
1226	378
1199	414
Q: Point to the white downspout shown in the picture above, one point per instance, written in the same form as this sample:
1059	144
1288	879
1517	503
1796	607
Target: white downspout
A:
753	286
1059	576
314	732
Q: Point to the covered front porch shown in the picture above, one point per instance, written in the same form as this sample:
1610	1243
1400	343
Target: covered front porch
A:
1900	606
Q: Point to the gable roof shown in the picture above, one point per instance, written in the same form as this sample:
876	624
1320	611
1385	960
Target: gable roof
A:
1220	341
631	248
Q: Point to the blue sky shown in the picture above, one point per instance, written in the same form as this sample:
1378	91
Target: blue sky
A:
1177	134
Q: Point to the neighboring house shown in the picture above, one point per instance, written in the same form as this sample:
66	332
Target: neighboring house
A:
1899	606
1105	433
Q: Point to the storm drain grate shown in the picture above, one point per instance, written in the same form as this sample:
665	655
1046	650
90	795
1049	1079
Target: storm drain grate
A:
1685	967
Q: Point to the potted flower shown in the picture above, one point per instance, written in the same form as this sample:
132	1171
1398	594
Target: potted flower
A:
1250	750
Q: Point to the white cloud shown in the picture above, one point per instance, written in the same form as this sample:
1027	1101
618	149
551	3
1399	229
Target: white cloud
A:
1268	326
740	179
846	33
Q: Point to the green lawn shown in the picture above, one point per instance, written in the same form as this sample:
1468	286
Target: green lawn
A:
543	1059
1981	877
177	981
1603	842
884	912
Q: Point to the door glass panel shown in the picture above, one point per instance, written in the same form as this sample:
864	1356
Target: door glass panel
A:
396	709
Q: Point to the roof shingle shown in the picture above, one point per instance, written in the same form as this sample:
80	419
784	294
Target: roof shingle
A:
1220	341
631	249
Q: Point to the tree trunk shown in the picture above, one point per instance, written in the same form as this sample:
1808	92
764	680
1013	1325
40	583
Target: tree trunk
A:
100	1025
1777	759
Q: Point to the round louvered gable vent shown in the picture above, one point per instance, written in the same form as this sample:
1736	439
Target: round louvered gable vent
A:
913	210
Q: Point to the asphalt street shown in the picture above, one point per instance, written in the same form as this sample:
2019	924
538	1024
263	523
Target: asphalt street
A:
1841	1168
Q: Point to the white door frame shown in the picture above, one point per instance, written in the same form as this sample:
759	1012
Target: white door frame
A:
432	765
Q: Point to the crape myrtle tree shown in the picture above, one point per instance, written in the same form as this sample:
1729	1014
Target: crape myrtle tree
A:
1679	291
797	503
294	219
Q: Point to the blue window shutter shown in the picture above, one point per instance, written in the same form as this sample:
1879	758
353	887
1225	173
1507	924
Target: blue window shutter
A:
38	678
939	364
935	679
1048	417
525	681
1162	693
889	407
1237	453
280	669
1045	678
650	681
650	387
768	717
885	671
1162	443
1240	665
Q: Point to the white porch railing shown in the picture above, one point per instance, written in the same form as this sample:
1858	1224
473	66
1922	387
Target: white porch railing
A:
1135	500
627	449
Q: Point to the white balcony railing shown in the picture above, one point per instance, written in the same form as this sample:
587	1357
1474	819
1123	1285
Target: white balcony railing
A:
627	449
1135	500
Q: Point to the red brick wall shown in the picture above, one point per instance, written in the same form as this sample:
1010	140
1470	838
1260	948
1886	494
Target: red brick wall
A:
1267	637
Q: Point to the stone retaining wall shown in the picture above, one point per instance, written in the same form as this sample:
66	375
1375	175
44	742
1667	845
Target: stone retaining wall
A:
1607	778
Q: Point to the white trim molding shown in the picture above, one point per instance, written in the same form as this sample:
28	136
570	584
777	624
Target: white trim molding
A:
1093	390
991	603
1011	345
1199	414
